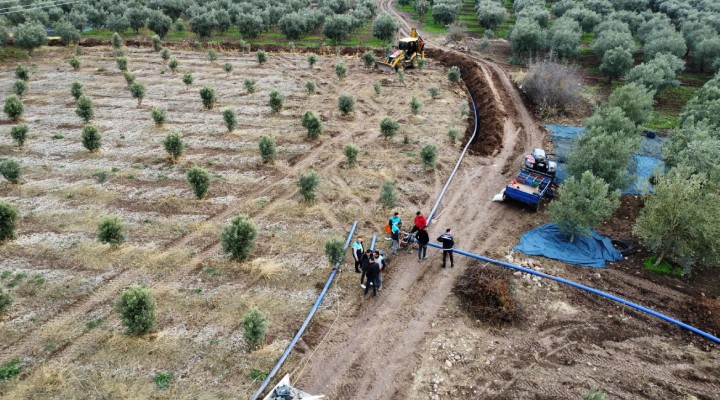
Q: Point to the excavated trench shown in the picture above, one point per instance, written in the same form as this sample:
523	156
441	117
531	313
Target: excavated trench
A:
488	140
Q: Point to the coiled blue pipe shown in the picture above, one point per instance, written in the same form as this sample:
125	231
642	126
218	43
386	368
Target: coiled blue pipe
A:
300	331
588	289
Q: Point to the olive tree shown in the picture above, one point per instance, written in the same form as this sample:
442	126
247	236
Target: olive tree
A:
276	101
207	94
9	217
527	37
267	149
665	41
338	28
307	185
657	74
255	326
564	37
615	63
445	12
188	80
159	115
293	25
91	138
199	180
30	35
346	104
67	32
351	153
137	309
111	230
19	134
174	146
389	127
385	27
10	170
13	108
238	238
583	203
250	25
313	124
679	221
612	39
137	90
388	195
635	102
490	14
159	23
76	90
707	52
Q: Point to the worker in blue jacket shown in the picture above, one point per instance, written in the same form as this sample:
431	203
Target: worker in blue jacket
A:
358	250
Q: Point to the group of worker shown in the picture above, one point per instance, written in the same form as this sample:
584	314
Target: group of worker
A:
371	264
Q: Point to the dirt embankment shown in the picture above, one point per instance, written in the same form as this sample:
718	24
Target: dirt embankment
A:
490	117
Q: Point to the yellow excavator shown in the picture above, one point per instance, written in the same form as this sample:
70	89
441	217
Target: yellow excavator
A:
408	54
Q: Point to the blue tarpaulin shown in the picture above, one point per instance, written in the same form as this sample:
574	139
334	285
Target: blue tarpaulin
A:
588	251
641	166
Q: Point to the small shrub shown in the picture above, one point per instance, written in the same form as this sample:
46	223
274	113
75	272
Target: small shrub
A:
307	185
230	119
91	139
335	251
594	394
453	135
84	109
136	307
76	90
484	44
340	70
174	146
267	149
244	47
119	53
227	67
415	105
14	107
346	104
313	124
429	155
368	59
173	65
5	301
553	87
199	180
121	63
238	238
74	63
9	217
434	92
254	328
249	85
10	369
312	59
406	139
78	50
159	115
389	127
310	86
162	380
111	230
19	134
156	43
421	63
401	77
137	90
129	78
212	55
187	80
351	153
276	101
116	41
377	88
10	170
261	57
207	94
22	73
388	196
165	54
454	74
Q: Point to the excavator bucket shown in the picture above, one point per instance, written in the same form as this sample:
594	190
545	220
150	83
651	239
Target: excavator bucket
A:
384	67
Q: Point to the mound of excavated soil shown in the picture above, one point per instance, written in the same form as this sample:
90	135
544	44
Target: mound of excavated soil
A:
490	117
485	294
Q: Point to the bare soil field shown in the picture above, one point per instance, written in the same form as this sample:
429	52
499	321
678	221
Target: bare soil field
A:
64	282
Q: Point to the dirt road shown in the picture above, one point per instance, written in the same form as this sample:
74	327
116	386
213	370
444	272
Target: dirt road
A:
373	351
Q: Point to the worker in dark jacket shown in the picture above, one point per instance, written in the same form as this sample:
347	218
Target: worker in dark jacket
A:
423	240
448	243
358	251
373	270
364	261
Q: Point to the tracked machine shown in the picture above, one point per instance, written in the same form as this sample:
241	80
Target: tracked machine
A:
408	54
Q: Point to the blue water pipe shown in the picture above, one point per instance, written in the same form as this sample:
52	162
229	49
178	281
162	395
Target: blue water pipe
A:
305	324
457	165
588	289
